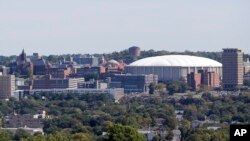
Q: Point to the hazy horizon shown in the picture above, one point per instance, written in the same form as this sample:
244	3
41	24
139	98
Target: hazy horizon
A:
82	26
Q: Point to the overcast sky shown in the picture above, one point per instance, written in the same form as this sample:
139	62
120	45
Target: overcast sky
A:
103	26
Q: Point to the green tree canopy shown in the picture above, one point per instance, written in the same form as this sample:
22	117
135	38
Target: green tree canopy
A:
119	132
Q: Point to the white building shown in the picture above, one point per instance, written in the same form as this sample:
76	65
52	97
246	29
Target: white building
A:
173	67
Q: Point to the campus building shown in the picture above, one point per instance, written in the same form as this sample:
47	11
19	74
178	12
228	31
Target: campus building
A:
232	60
7	86
133	83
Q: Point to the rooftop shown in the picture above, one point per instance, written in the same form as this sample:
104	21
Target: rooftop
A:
177	60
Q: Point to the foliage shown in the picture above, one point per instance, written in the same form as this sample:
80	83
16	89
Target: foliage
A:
119	132
151	88
21	133
5	135
246	82
176	87
201	134
91	114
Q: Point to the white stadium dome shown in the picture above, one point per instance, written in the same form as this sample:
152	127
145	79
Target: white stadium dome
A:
173	67
176	60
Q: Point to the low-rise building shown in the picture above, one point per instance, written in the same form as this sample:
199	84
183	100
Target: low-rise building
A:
84	71
40	65
56	83
87	60
116	93
93	84
31	131
62	71
25	120
133	83
203	77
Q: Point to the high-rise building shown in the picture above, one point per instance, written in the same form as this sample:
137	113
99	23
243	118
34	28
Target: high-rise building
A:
232	70
7	86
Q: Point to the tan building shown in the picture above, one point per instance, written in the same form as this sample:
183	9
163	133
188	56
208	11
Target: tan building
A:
232	70
247	67
7	86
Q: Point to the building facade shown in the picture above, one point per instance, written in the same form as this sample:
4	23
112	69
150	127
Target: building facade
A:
25	120
115	93
232	72
173	67
203	78
4	70
7	86
60	72
83	71
87	60
57	83
133	83
247	67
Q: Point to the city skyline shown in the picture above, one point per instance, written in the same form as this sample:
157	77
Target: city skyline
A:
61	27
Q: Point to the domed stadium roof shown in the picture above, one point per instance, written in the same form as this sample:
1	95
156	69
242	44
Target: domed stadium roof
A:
177	60
113	62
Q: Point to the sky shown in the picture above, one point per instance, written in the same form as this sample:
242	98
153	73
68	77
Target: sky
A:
104	26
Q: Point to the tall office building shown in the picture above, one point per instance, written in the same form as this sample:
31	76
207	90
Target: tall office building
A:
7	86
232	71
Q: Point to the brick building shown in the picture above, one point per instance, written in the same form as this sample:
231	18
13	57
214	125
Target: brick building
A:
203	77
56	83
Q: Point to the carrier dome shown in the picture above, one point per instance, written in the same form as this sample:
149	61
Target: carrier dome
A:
177	60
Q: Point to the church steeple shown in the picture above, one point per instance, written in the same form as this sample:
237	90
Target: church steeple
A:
23	56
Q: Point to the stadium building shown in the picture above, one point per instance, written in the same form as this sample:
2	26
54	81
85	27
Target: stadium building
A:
173	67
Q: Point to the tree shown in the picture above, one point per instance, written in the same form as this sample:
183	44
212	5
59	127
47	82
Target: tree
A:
160	86
30	73
61	136
36	138
21	133
83	137
173	88
5	136
151	88
185	126
246	82
169	136
119	132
